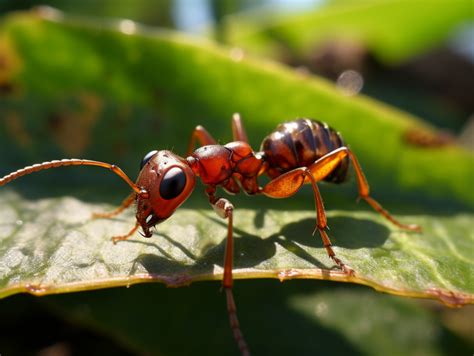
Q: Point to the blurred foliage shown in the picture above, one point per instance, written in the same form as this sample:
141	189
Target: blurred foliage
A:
408	53
393	30
296	317
154	12
158	69
113	91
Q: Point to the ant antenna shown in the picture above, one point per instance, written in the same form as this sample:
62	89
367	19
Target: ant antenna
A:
72	162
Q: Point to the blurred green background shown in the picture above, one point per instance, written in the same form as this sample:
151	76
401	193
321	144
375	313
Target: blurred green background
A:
424	69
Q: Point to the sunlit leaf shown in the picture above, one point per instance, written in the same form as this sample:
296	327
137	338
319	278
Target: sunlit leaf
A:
53	246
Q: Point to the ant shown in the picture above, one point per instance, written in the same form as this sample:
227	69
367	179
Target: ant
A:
296	152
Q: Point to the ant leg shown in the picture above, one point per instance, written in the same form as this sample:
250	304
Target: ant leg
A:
224	209
326	164
288	184
202	136
238	131
364	194
124	205
116	239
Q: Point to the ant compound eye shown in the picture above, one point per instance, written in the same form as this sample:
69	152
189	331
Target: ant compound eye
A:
173	183
147	158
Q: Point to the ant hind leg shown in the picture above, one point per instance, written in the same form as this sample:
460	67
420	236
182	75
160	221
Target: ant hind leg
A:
326	164
288	184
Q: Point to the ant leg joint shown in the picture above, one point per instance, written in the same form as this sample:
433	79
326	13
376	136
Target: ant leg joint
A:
346	269
223	207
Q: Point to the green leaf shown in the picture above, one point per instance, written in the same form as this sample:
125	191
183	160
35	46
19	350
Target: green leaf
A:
115	91
393	30
53	246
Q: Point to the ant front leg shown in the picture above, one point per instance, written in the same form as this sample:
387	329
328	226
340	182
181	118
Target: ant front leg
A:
124	205
201	135
326	164
116	239
288	184
225	209
238	131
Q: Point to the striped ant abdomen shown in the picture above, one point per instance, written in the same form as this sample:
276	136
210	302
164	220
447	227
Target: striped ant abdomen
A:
300	143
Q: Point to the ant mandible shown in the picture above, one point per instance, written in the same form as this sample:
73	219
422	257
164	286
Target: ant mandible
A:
297	152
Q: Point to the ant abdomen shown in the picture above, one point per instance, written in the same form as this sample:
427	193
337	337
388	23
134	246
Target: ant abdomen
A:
300	143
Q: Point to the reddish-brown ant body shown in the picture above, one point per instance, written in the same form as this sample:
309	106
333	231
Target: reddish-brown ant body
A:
297	152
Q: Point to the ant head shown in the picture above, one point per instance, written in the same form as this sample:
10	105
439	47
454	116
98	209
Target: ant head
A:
169	181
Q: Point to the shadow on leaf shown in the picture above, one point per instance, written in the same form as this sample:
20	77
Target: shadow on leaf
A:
342	232
250	250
